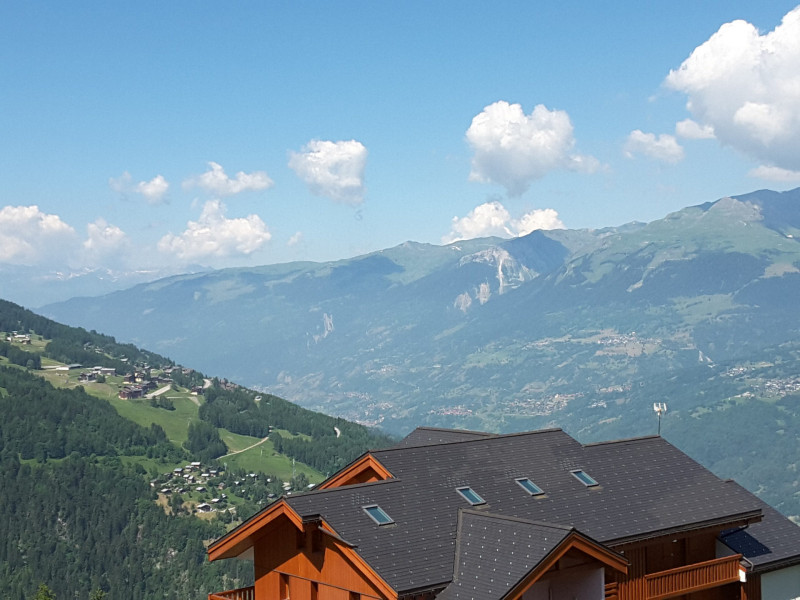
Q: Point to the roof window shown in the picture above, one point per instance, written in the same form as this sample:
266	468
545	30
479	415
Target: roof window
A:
584	478
530	487
470	495
377	514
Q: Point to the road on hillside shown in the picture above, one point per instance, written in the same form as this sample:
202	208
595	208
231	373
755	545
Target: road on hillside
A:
159	391
259	442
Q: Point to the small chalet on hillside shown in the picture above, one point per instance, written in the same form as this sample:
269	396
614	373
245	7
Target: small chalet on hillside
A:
459	515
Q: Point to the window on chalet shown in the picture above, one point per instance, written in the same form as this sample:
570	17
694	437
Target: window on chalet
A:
530	487
470	495
377	514
584	478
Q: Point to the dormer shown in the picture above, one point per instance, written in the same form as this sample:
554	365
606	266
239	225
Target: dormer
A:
364	470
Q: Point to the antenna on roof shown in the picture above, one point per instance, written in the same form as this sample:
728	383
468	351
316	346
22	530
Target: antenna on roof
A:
660	408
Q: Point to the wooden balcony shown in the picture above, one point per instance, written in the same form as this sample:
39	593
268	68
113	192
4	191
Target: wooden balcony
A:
248	593
693	578
611	591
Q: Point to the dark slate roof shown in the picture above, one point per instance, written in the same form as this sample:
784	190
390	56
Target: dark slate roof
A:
426	436
647	488
494	553
773	543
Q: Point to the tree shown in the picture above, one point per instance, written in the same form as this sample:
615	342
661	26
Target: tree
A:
98	594
44	593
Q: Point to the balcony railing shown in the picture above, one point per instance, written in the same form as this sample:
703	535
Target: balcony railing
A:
611	591
693	578
248	593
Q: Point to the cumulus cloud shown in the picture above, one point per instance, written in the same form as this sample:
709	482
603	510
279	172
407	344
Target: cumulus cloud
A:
334	170
153	191
103	239
216	181
692	130
215	236
513	149
541	218
746	86
663	147
775	174
29	236
492	219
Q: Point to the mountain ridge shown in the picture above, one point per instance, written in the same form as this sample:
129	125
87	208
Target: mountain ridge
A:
584	329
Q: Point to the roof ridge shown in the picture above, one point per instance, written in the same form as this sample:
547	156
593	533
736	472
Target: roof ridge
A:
472	431
488	438
640	438
498	516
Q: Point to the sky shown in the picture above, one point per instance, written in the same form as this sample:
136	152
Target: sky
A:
169	134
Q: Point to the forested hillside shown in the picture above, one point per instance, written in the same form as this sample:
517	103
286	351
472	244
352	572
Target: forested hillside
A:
75	516
89	502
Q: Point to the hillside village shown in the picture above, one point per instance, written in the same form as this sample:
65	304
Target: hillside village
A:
194	488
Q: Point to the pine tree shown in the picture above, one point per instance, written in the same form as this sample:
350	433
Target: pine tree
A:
44	593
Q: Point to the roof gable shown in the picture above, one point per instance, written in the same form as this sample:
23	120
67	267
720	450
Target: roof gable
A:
242	538
501	557
364	470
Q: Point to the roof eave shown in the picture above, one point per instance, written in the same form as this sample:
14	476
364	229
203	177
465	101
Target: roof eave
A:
745	518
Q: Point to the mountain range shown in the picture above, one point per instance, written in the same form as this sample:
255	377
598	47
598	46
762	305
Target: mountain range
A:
583	329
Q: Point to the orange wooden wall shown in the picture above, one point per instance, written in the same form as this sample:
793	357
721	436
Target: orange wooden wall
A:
311	564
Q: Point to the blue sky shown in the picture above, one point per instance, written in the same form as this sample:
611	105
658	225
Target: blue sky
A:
228	134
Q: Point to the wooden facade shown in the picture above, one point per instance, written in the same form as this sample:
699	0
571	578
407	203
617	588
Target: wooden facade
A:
311	563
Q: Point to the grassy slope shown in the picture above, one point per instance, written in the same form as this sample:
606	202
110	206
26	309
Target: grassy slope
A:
259	459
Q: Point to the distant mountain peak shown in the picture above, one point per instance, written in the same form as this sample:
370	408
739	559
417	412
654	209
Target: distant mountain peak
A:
733	208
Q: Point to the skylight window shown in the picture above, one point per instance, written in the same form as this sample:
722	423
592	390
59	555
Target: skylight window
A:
470	495
377	514
584	478
530	487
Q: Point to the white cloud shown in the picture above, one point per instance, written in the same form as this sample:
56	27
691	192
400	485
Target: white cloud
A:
692	130
334	170
513	149
295	239
216	181
29	236
746	86
153	191
541	218
104	239
121	184
214	236
492	219
485	220
663	147
775	174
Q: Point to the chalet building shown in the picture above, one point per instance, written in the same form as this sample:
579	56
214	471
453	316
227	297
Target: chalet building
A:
458	515
129	392
87	377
